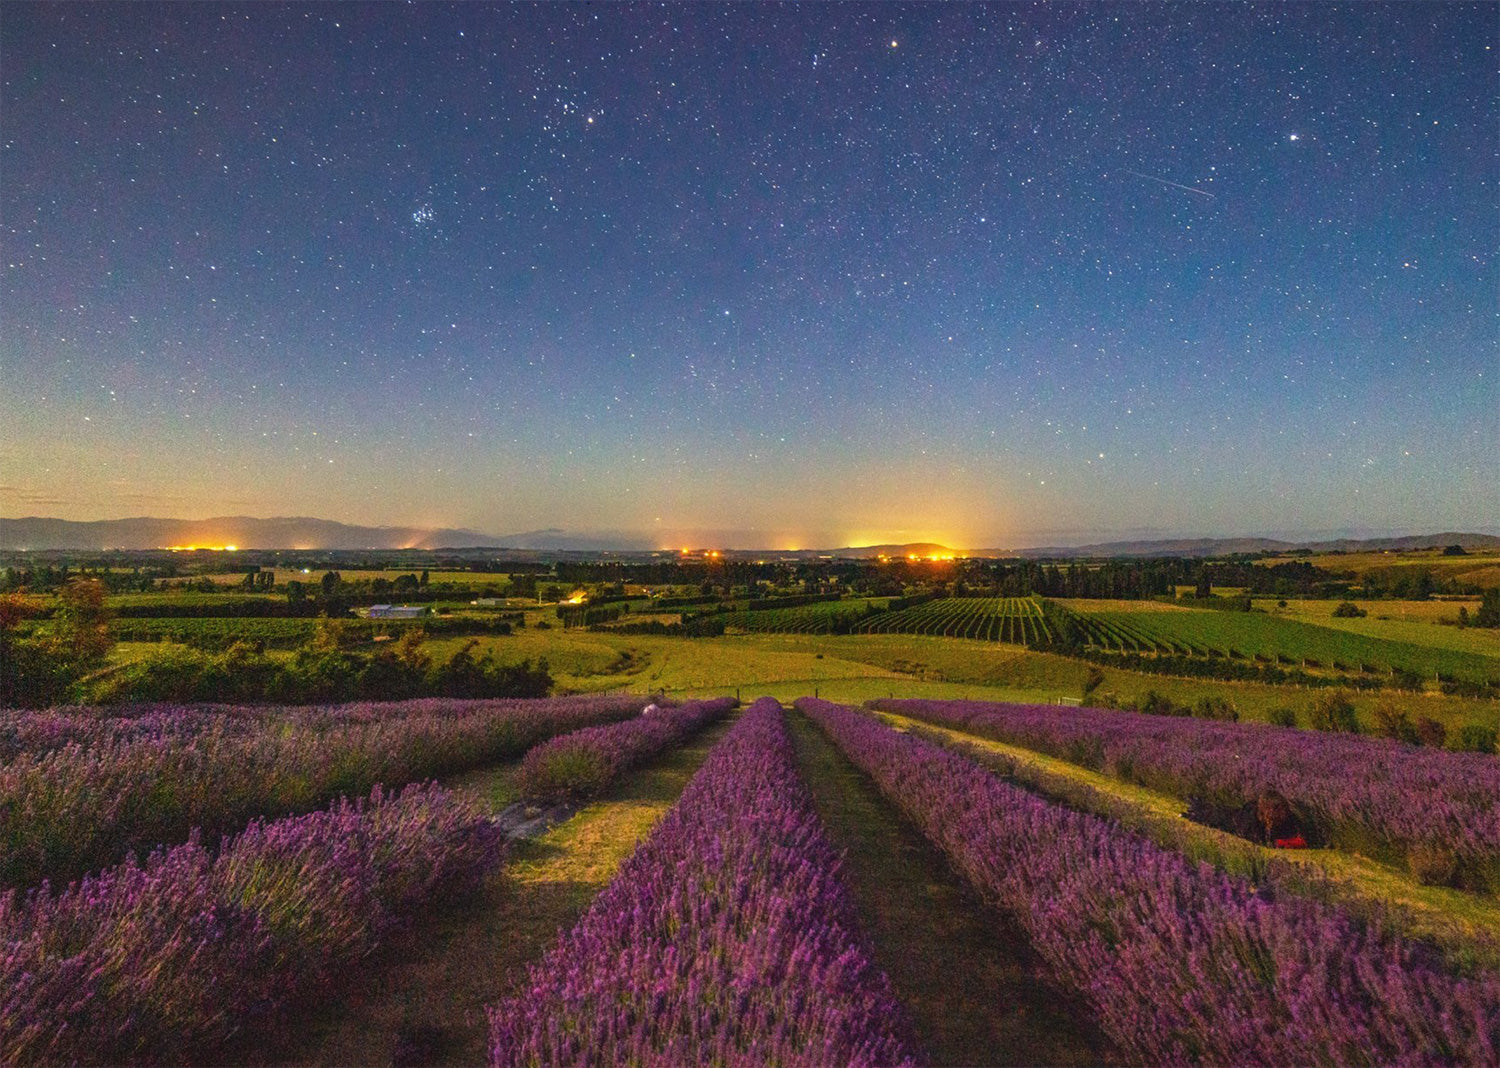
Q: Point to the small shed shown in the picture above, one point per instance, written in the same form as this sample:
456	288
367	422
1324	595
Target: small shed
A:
397	611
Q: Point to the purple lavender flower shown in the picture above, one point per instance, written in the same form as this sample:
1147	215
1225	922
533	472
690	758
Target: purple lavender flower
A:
1368	795
585	761
163	961
726	938
1179	961
120	784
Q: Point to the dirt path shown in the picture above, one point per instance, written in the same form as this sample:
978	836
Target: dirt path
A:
968	981
423	1001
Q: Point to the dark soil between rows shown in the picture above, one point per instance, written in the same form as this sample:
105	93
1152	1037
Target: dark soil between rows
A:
971	984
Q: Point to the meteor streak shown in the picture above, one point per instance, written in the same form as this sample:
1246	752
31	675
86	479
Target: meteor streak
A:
1174	185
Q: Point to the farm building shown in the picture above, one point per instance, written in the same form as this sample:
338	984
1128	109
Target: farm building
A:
396	611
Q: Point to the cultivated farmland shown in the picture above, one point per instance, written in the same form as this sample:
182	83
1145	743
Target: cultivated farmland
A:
1270	639
735	907
996	619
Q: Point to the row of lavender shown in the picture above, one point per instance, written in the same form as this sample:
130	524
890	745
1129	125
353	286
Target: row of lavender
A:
1179	961
165	961
87	805
1370	795
584	762
727	938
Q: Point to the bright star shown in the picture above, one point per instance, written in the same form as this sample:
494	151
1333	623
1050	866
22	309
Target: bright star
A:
1294	137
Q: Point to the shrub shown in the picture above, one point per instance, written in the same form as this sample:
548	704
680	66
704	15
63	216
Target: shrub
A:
1430	732
1392	721
1093	682
1282	716
1349	610
1215	707
1160	705
1475	738
1333	711
1404	679
1432	864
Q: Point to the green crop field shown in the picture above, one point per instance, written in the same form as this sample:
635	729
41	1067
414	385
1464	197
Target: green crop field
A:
824	617
996	619
186	598
1253	635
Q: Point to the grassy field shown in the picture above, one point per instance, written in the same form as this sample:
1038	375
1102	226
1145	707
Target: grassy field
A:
1428	623
1480	569
856	668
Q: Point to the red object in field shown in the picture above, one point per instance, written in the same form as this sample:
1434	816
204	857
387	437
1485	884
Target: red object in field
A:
1291	843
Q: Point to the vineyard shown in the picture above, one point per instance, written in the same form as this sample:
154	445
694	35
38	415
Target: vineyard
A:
996	619
824	617
993	619
1202	634
1268	639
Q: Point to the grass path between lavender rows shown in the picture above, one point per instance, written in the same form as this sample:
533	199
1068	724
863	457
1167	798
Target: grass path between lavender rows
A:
970	985
424	1002
1461	923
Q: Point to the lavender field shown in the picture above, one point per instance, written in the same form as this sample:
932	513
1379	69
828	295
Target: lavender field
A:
1435	811
80	790
727	938
1179	962
181	879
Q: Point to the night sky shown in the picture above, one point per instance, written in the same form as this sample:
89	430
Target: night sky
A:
754	275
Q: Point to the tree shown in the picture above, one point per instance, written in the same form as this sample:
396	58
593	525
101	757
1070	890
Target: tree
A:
81	622
1489	609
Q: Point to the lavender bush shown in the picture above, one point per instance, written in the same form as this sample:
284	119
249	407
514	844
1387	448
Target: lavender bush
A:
1180	962
139	783
163	961
585	761
726	938
1393	801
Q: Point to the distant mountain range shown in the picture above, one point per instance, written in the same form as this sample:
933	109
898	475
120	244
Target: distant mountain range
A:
1228	546
301	532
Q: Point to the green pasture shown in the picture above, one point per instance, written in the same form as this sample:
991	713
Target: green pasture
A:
1429	623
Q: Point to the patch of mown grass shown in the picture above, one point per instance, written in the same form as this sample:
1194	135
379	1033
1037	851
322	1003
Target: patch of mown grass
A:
424	1002
1461	924
970	985
1429	623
